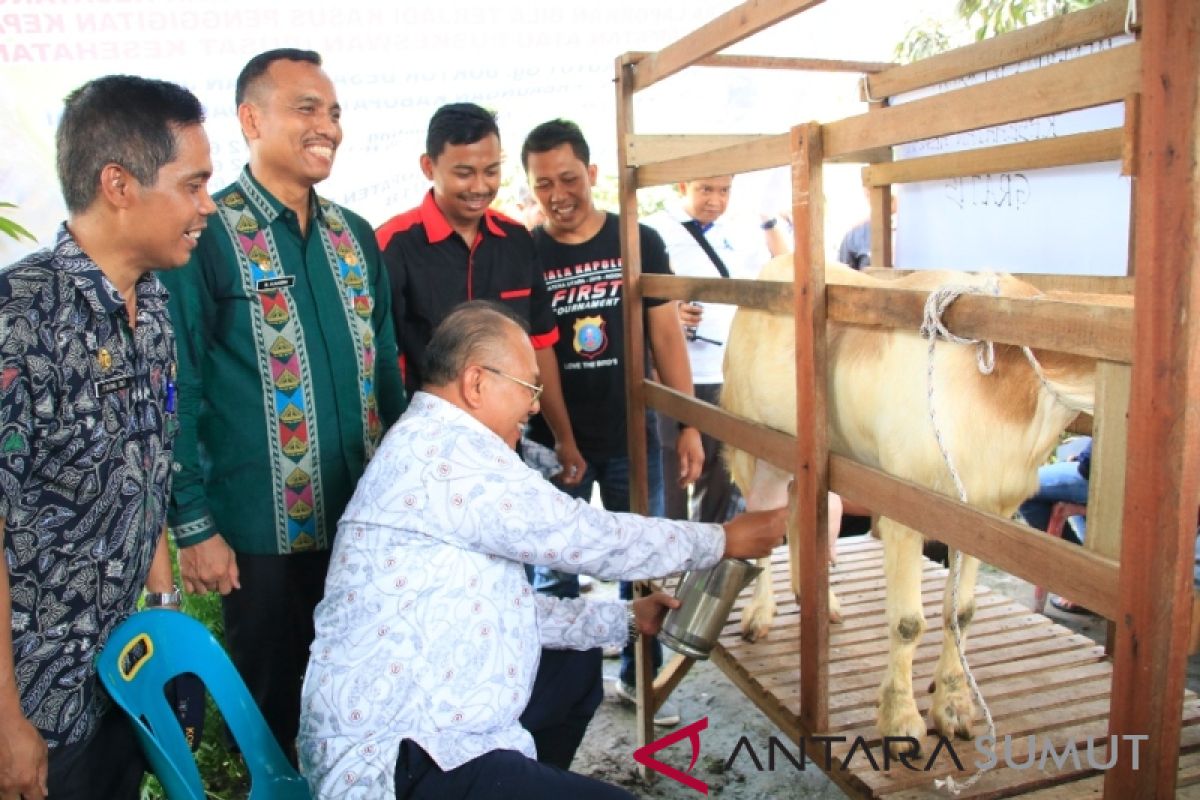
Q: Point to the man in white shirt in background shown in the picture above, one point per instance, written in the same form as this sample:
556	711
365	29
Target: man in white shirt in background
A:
700	215
429	634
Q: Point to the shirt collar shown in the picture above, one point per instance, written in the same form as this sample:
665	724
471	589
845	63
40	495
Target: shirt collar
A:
267	206
92	283
424	404
438	228
679	215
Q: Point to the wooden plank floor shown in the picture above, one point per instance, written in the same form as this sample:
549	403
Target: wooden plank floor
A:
1040	680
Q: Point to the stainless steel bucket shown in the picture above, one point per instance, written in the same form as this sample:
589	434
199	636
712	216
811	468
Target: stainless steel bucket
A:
706	598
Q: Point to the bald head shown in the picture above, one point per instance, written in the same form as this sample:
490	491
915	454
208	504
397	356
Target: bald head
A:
478	331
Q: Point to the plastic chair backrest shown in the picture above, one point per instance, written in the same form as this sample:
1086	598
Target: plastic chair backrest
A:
149	649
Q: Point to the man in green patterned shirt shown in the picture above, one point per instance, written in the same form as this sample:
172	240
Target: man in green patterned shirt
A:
288	376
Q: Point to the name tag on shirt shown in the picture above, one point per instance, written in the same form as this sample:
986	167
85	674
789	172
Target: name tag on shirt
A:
271	284
110	385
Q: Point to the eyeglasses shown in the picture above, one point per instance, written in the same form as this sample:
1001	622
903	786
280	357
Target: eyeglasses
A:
535	389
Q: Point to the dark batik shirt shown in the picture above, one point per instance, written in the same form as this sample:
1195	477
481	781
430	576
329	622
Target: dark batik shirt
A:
85	468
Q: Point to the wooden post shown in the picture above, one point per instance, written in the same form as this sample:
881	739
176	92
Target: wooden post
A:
812	447
635	367
1163	476
1106	486
881	223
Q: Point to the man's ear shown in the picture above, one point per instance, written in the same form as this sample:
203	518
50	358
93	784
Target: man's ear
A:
247	115
117	186
593	171
427	166
470	386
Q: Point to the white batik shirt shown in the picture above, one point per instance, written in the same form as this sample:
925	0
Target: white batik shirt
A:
429	630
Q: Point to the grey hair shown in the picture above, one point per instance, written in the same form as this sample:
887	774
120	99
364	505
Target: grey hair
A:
473	330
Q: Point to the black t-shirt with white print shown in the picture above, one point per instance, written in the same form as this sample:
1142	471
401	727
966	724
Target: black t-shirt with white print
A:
585	286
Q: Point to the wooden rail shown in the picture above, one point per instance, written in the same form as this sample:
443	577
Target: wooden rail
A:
1093	326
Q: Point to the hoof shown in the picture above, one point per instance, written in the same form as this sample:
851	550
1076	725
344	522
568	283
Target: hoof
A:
835	609
755	632
756	622
953	711
899	720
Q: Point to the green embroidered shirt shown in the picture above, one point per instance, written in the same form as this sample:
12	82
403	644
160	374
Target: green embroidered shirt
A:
288	372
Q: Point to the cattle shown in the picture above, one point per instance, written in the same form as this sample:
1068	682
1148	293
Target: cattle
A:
998	428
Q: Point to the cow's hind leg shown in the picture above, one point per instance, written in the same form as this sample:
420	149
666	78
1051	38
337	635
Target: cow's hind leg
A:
898	715
953	707
768	489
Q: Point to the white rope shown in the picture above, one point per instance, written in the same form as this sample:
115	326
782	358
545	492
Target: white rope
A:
865	86
933	328
1049	387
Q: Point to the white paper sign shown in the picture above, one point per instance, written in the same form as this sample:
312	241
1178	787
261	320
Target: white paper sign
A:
1066	220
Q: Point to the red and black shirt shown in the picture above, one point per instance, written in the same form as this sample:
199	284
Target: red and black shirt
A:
432	270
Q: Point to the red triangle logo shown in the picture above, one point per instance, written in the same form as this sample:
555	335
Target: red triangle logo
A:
643	755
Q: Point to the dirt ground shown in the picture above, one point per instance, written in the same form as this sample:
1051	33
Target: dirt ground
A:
607	751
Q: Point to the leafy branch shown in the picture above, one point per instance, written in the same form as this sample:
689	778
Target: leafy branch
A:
13	229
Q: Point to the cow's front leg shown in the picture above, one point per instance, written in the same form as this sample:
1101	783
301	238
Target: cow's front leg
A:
953	707
898	715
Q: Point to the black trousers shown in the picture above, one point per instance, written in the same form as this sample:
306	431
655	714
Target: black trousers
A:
713	495
109	766
567	690
268	630
498	775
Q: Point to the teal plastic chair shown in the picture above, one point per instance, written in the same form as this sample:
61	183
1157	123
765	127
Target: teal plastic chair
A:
149	649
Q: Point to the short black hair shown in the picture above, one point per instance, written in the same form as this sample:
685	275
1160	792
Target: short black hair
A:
119	119
473	329
552	134
458	123
257	67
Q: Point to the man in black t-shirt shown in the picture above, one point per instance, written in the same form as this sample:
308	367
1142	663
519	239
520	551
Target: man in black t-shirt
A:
579	248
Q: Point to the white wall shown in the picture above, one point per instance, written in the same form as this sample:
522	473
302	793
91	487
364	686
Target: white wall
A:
395	61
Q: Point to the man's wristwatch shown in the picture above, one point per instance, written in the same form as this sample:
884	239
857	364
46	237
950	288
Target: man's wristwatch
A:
163	599
631	622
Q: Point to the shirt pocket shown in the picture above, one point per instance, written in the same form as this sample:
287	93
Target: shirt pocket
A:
518	301
79	435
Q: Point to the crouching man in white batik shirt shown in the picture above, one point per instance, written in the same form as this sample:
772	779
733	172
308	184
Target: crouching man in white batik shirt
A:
427	641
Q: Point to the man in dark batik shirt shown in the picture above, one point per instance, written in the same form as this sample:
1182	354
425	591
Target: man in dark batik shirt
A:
87	370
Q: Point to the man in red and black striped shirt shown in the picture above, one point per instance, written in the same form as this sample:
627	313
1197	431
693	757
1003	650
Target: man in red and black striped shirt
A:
454	247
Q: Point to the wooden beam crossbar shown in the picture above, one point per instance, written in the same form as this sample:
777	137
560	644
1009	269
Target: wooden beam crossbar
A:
772	446
745	61
766	295
1042	560
1059	33
1084	82
761	152
724	31
1085	327
1006	545
1061	151
647	148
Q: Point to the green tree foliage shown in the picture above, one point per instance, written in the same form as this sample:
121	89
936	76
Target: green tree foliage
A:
975	20
11	228
988	18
